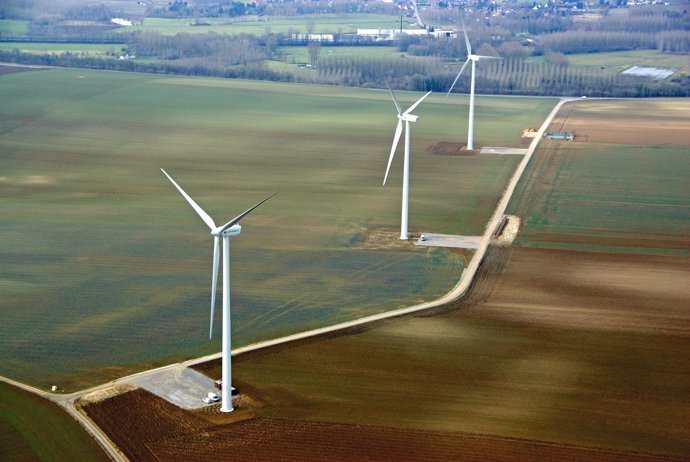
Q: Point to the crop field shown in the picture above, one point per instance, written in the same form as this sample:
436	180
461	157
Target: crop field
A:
571	348
11	27
32	428
618	61
526	367
135	419
582	348
301	54
103	257
89	49
621	189
318	24
127	6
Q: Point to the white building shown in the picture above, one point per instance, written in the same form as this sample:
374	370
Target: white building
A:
390	34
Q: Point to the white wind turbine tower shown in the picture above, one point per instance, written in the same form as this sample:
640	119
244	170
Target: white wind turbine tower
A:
231	228
474	59
407	118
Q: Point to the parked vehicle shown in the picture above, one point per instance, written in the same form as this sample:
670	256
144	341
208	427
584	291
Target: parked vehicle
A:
211	398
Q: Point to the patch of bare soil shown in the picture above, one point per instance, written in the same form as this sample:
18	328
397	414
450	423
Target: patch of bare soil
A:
446	148
107	393
529	133
507	231
634	293
271	439
137	420
383	239
146	427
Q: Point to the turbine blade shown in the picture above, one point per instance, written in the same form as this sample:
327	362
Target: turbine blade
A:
411	108
457	77
467	40
204	216
396	139
214	281
479	58
397	106
243	214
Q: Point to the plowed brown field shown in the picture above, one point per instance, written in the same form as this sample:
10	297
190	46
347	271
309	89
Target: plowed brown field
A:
137	420
162	434
641	122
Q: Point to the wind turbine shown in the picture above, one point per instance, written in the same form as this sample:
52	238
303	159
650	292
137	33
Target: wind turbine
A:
474	59
231	228
407	118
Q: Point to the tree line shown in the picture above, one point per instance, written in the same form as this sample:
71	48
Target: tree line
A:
245	56
241	58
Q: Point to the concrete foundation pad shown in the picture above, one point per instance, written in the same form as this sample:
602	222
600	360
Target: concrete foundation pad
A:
450	240
180	385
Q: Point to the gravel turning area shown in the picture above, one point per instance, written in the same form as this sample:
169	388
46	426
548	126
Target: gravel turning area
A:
179	385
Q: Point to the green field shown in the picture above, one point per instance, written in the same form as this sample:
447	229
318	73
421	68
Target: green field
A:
618	61
606	195
59	48
12	27
331	23
32	428
301	54
126	6
103	257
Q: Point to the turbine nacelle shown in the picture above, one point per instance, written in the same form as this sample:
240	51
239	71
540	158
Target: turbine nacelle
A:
234	230
471	57
408	117
481	57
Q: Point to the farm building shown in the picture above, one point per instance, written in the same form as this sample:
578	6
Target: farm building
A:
390	34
